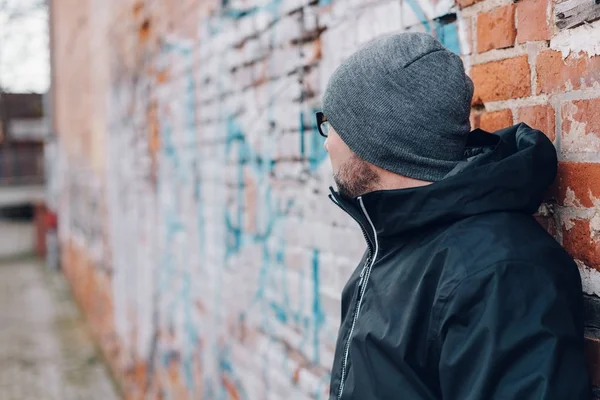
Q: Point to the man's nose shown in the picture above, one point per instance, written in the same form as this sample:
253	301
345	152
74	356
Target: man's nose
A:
325	144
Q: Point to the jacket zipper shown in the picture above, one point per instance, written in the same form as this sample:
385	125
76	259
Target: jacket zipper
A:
362	286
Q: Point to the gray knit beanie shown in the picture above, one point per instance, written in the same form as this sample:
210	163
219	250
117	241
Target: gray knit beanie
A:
402	102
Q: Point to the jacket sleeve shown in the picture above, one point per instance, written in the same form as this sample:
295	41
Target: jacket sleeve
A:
513	331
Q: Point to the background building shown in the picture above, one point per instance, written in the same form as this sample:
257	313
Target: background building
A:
23	130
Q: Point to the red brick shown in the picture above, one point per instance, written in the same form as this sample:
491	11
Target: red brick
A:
496	29
582	178
493	121
250	194
144	30
466	3
539	117
592	353
501	80
580	244
554	73
586	113
531	21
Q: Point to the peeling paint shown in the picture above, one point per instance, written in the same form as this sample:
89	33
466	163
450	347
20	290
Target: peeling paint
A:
590	279
567	222
464	31
595	227
575	133
571	199
581	41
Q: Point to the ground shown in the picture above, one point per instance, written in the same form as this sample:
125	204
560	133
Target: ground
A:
46	352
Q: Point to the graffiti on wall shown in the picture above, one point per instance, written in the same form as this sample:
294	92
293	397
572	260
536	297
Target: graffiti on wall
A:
213	164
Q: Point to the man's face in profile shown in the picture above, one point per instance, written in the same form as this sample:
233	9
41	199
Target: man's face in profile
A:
353	175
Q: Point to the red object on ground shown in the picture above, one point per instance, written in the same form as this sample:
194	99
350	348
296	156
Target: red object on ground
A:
44	220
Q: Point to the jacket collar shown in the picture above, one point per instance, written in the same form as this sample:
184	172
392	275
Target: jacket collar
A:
505	171
356	208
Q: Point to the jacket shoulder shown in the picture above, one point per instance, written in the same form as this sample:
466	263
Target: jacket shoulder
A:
494	238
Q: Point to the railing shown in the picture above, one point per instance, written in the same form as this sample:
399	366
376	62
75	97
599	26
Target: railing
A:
21	167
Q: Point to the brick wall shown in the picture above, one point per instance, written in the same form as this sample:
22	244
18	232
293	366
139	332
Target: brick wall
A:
194	223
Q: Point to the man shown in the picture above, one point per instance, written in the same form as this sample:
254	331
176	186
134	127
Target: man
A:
461	294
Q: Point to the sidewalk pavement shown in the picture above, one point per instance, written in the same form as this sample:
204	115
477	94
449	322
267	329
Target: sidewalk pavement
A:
46	352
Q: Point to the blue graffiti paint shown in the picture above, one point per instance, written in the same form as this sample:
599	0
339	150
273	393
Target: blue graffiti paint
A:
179	158
172	46
226	370
172	228
447	34
191	332
416	7
200	221
318	313
300	318
280	312
317	151
272	277
234	225
238	13
272	259
273	272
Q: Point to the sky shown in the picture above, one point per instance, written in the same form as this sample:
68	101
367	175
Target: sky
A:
24	49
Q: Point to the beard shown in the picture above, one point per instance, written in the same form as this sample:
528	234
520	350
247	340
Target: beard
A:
356	177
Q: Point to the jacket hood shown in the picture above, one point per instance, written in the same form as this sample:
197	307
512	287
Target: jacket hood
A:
508	170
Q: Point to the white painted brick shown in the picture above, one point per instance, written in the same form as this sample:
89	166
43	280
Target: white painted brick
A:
307	381
365	27
410	19
288	146
387	17
347	241
284	30
249	280
291	5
